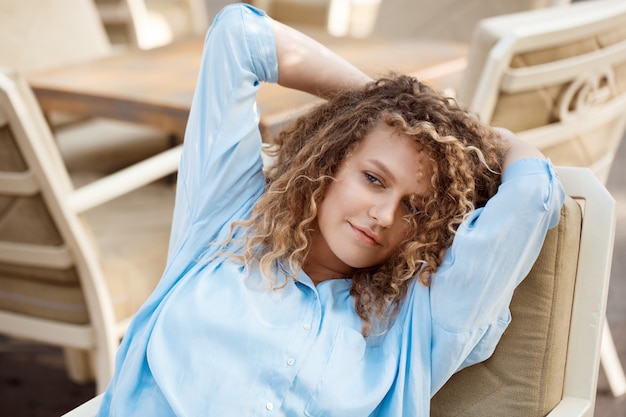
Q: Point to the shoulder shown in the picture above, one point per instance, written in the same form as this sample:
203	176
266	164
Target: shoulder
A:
245	31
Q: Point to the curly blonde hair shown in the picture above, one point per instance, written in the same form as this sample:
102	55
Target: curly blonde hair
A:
465	154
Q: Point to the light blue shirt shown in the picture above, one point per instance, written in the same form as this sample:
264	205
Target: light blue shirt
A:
213	341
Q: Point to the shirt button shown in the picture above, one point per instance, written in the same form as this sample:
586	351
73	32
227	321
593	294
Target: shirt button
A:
269	406
307	327
291	361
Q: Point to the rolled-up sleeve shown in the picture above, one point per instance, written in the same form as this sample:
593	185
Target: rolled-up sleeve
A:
493	250
221	167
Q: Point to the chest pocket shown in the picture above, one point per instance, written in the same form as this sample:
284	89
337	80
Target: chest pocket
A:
358	375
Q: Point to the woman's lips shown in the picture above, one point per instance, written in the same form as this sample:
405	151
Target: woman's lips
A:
365	235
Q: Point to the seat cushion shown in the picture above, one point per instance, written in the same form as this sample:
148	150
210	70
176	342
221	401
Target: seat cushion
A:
524	377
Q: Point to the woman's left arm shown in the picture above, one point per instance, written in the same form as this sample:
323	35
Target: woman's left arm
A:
492	252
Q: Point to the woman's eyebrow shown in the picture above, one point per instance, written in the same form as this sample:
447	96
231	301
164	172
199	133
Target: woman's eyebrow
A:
383	168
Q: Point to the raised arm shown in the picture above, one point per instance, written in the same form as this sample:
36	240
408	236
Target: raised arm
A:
493	250
305	64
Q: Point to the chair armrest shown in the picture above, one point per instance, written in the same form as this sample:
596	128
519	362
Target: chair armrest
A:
88	409
572	407
125	180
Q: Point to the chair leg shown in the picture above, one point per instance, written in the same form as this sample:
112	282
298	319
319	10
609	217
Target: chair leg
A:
78	365
611	364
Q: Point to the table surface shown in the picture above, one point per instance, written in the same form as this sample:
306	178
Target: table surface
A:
155	87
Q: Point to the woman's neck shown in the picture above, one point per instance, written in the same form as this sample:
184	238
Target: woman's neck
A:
319	273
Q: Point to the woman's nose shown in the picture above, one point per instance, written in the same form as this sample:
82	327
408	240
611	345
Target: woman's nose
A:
384	211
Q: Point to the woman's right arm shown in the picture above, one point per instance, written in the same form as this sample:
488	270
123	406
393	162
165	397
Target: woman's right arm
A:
305	64
220	171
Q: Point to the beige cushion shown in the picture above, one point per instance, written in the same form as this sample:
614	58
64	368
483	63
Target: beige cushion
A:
541	107
296	12
490	31
524	377
132	235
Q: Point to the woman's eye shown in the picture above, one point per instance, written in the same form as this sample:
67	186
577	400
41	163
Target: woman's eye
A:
372	179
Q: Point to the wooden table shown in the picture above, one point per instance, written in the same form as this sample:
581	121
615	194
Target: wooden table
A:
155	87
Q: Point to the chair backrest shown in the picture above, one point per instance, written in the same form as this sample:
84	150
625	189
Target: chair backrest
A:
556	77
39	34
48	262
62	281
445	19
547	361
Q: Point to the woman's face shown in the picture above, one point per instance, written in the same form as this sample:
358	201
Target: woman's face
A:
361	219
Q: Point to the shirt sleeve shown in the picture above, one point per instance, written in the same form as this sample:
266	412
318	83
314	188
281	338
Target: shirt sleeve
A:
492	252
221	170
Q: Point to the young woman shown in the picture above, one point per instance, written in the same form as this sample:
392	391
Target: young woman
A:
376	258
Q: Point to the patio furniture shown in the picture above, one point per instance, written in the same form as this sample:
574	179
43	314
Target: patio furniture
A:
75	263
